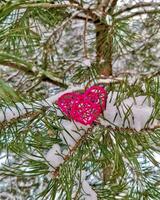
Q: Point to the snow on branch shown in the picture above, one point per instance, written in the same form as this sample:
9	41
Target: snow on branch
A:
138	110
72	135
86	191
132	113
21	109
135	113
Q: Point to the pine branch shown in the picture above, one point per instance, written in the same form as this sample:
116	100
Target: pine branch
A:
84	18
72	150
130	130
75	5
74	1
44	75
16	66
22	109
83	138
107	6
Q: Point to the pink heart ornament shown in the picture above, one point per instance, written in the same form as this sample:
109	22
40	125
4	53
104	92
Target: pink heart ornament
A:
84	108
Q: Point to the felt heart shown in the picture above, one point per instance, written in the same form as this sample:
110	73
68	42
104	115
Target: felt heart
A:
84	108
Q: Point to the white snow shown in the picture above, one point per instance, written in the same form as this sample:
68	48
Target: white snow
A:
109	20
87	62
157	156
131	113
2	159
87	193
72	132
13	112
54	156
139	101
6	195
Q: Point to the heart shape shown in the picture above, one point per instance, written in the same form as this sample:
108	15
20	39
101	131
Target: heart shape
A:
84	108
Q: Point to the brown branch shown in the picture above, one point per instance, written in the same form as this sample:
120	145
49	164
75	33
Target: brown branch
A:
147	129
30	71
61	27
27	115
75	5
84	38
107	6
104	4
113	5
138	5
102	7
155	11
83	18
16	66
74	1
152	75
50	5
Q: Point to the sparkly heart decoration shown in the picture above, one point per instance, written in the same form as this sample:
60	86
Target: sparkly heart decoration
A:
84	108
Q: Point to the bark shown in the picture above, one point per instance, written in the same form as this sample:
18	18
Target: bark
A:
104	41
108	167
104	52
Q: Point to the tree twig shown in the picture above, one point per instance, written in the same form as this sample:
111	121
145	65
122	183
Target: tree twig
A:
50	5
112	6
44	74
84	38
137	5
62	26
142	12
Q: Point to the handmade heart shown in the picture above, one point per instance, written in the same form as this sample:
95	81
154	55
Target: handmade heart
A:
84	108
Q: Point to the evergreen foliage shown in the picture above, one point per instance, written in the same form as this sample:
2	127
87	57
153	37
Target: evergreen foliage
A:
47	46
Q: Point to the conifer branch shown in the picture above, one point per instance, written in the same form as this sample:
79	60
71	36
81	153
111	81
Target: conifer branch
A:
83	138
78	143
21	110
44	74
104	4
117	140
133	131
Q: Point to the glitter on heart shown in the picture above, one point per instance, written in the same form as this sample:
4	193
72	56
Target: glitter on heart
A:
84	108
